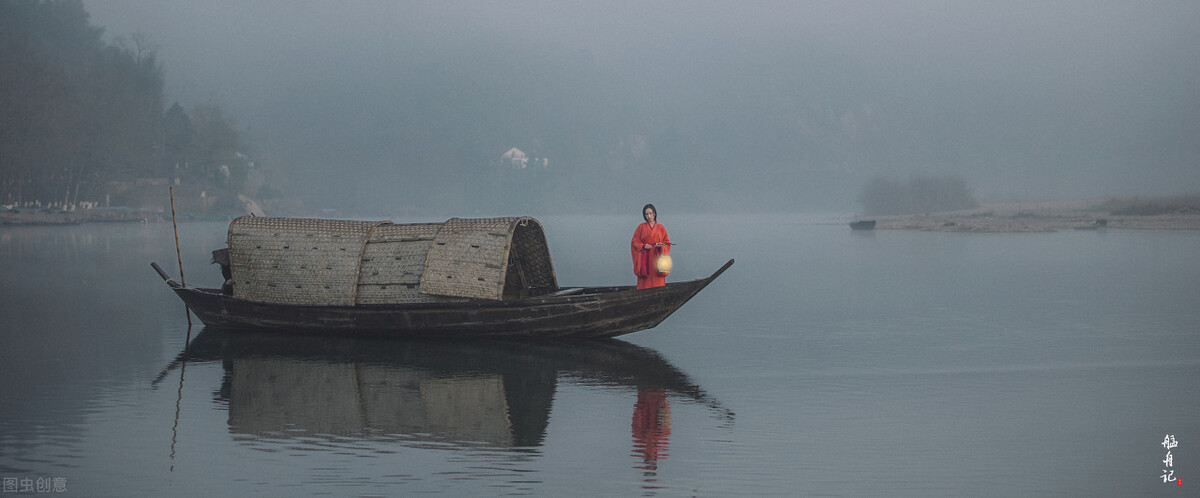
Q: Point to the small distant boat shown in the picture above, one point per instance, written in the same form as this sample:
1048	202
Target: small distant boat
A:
862	225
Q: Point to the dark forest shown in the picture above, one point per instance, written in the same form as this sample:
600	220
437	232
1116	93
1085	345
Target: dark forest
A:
84	122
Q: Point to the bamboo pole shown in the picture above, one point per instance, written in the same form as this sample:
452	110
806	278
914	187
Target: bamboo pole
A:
178	254
179	257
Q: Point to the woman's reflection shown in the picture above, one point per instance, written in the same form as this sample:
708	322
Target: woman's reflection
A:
651	427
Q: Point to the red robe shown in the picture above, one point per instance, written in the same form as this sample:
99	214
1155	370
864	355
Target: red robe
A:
647	235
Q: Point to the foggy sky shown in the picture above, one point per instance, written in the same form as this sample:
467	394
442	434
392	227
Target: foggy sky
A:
1023	99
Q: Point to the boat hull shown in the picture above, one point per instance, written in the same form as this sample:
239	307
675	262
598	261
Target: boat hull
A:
863	225
589	312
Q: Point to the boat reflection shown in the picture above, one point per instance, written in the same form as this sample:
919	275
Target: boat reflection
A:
492	393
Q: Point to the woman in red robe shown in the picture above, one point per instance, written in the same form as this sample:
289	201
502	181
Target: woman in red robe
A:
649	241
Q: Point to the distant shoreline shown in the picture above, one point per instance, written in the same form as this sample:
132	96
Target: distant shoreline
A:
1164	213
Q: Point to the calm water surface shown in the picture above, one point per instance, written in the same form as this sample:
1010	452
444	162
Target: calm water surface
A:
825	362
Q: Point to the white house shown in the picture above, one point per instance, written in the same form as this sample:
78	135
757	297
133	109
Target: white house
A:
515	158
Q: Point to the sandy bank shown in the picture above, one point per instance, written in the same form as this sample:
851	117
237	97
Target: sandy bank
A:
1053	216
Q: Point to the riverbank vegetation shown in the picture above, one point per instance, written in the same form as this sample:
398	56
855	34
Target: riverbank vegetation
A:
82	121
1140	206
920	194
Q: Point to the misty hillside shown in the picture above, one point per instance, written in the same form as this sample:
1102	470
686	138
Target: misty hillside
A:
408	108
707	125
736	138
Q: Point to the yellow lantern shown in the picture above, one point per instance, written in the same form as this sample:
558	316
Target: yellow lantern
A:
663	264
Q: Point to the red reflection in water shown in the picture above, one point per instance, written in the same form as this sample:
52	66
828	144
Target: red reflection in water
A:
651	426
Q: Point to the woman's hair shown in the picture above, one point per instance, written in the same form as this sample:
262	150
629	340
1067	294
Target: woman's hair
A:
652	208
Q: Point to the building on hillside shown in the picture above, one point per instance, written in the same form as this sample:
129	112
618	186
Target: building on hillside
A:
516	159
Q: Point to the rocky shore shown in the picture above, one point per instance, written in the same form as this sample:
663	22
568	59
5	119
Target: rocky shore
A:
1176	213
45	216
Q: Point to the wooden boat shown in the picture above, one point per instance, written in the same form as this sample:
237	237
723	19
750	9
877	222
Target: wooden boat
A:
1097	225
862	225
502	283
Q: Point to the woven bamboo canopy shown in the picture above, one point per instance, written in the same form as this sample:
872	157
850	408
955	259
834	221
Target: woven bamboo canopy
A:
346	263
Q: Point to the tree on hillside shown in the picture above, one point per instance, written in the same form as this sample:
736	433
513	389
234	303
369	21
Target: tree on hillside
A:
920	194
218	158
176	140
74	111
